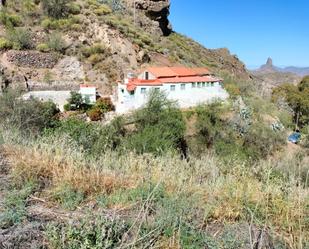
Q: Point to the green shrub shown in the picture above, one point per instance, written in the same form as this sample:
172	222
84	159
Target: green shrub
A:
67	197
160	126
95	114
209	123
42	47
76	27
21	38
74	8
56	42
75	101
9	20
96	48
67	107
55	8
5	44
48	77
15	205
261	141
30	117
90	232
95	58
102	10
48	24
105	105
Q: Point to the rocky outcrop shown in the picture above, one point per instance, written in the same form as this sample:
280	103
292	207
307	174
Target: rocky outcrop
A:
154	15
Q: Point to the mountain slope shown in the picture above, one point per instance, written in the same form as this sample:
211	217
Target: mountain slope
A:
98	43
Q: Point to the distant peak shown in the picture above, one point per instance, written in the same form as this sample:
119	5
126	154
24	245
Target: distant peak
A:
269	62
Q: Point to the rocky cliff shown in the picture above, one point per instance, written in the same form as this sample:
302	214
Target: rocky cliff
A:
98	43
152	14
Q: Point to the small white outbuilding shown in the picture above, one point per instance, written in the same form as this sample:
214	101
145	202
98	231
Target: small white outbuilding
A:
89	93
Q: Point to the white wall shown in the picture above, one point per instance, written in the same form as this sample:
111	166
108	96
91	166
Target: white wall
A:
58	97
185	98
88	93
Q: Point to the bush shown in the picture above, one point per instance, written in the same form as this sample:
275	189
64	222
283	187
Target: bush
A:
74	8
28	116
96	48
5	44
160	126
55	8
42	47
105	105
91	232
68	197
9	20
55	42
75	101
14	206
95	58
21	38
102	10
95	114
64	23
261	141
67	107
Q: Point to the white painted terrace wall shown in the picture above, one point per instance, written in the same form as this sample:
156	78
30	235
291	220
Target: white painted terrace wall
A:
186	98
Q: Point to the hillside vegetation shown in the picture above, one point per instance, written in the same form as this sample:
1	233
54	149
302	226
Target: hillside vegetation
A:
216	176
95	41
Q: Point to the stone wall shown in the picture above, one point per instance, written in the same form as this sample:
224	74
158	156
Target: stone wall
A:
32	59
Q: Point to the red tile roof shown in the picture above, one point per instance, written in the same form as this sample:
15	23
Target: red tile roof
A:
173	75
163	72
133	83
86	85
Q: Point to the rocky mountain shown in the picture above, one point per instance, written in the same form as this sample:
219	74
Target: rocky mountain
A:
269	67
269	76
301	71
96	42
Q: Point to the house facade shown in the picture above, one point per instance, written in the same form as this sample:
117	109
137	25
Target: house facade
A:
188	86
89	93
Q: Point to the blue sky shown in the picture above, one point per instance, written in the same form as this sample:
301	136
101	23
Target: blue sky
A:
252	29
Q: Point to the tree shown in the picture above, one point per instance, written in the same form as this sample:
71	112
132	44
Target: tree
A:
297	98
76	100
159	126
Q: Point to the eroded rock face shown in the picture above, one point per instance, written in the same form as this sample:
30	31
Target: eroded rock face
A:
157	12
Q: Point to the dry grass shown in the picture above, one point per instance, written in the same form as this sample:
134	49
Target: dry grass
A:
226	192
52	170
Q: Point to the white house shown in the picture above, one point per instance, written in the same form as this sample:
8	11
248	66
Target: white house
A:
188	86
89	93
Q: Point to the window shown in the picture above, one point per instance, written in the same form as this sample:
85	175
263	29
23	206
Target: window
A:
203	84
173	88
199	84
193	85
183	86
208	84
143	90
212	83
146	75
122	90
